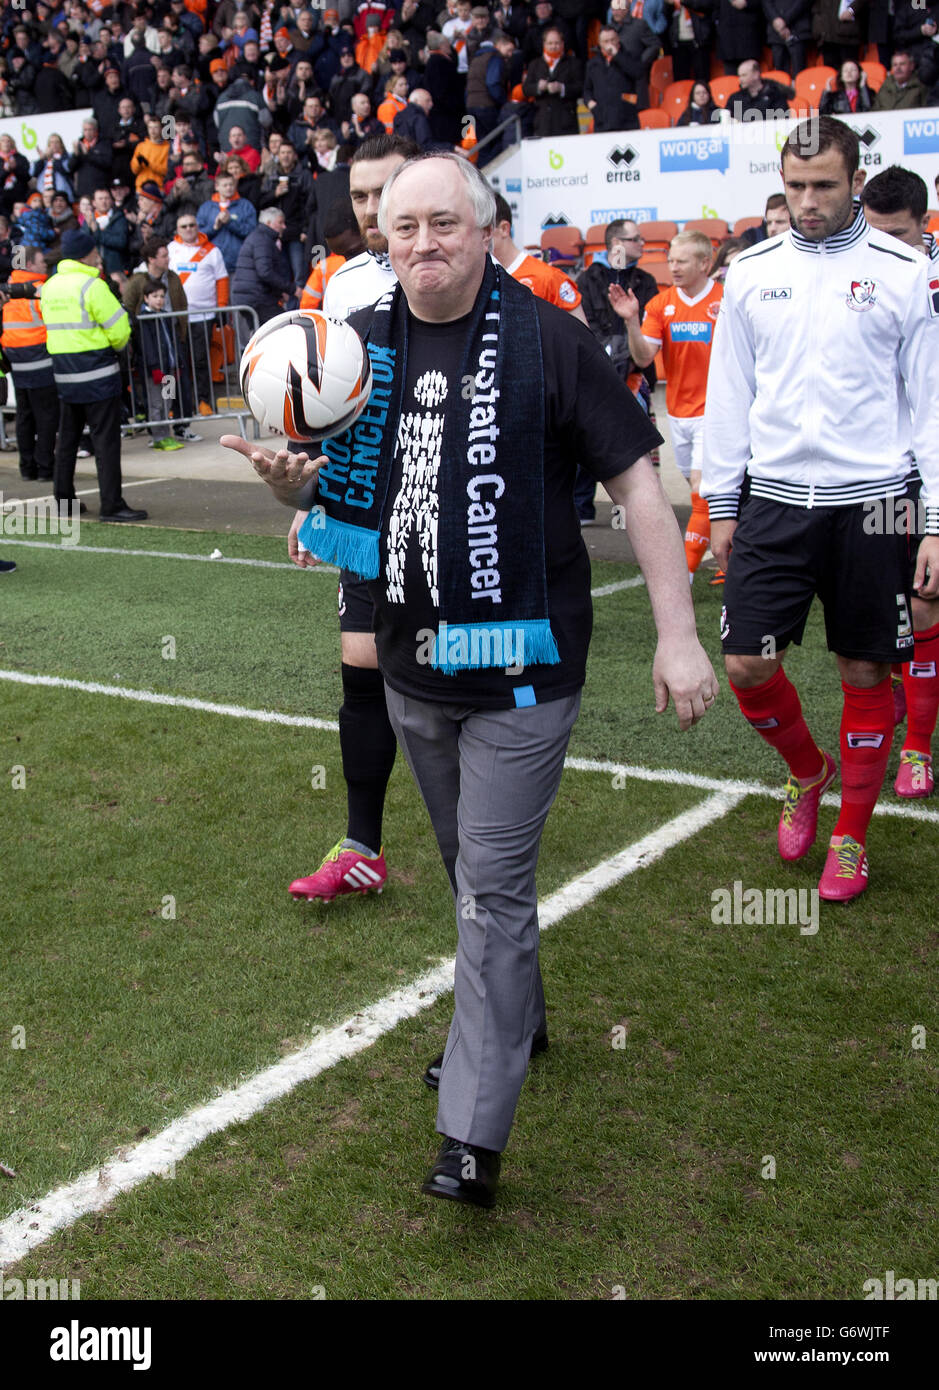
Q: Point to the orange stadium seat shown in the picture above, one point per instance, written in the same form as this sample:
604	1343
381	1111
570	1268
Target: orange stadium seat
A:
811	83
744	224
657	269
800	107
567	243
675	98
660	79
653	118
657	236
777	75
713	227
595	241
723	88
876	72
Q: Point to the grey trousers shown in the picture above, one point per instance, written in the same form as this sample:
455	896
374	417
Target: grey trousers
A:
488	779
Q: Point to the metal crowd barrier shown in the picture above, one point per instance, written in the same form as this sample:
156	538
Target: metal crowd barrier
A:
167	371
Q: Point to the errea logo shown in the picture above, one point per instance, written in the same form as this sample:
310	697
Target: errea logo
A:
622	157
783	292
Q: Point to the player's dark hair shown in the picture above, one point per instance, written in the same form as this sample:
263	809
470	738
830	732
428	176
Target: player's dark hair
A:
896	190
818	135
775	200
503	211
381	146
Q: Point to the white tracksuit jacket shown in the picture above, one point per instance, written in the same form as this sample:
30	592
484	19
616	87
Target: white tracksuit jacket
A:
824	374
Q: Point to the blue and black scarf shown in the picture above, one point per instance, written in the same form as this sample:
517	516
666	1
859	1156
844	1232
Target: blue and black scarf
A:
490	536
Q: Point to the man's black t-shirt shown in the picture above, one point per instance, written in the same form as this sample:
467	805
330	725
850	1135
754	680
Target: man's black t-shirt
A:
590	418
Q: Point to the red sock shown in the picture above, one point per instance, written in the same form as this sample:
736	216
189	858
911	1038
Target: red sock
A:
921	684
866	736
774	710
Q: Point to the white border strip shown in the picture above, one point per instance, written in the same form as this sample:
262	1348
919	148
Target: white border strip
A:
96	1189
170	555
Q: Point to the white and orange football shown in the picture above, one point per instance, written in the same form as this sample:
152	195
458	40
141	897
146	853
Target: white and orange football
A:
306	375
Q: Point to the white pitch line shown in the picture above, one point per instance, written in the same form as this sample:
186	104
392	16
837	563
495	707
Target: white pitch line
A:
672	777
171	555
96	1189
615	588
152	697
85	492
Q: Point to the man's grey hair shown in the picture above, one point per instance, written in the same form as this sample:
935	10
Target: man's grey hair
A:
269	215
480	194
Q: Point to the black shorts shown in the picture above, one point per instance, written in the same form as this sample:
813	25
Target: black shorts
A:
356	609
784	556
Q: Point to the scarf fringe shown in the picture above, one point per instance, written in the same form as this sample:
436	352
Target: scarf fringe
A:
340	543
475	646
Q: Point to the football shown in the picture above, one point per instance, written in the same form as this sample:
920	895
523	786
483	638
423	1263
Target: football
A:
305	375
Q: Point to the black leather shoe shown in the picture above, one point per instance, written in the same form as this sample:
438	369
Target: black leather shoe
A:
123	514
464	1173
431	1076
28	477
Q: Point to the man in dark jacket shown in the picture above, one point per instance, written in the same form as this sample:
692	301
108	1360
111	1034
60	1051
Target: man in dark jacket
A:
542	18
443	81
289	187
639	48
741	26
788	32
263	278
555	81
348	80
92	158
107	100
606	82
901	89
914	29
52	89
487	84
623	247
757	98
412	122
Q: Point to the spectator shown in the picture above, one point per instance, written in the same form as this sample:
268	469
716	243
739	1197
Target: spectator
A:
52	89
37	402
140	74
300	85
325	151
370	44
204	277
141	34
702	109
304	36
542	19
788	33
482	29
555	82
14	175
263	278
150	159
836	31
314	117
156	266
914	29
412	122
847	93
6	250
348	80
639	48
107	100
191	187
159	358
690	32
414	19
723	256
775	221
456	29
92	158
125	135
445	85
395	100
241	105
238	144
151	220
741	26
111	233
393	63
607	81
20	82
901	89
32	225
362	124
247	185
618	267
331	185
63	218
757	98
290	189
487	83
227	220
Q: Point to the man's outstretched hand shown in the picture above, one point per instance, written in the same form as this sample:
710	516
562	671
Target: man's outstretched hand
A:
286	474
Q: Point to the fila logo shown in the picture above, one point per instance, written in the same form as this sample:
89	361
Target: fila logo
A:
865	740
771	723
926	669
622	154
782	293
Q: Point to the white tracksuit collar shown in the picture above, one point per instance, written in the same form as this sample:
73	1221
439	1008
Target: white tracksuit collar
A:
841	241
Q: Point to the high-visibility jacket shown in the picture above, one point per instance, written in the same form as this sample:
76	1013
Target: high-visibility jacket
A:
315	287
24	337
85	327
